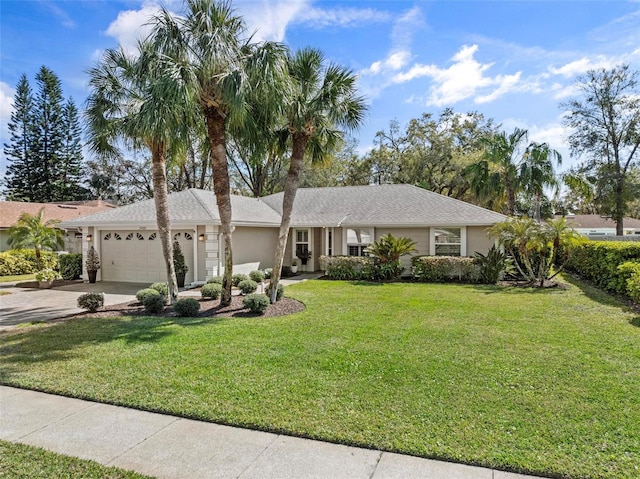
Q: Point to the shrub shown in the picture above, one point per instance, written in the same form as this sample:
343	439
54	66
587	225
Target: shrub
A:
257	303
70	265
23	261
162	288
444	268
247	286
179	264
143	293
279	294
153	303
345	267
47	274
257	276
211	290
492	266
267	273
598	262
93	260
631	272
91	301
187	307
286	272
215	280
237	278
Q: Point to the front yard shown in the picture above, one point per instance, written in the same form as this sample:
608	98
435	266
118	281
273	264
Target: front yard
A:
518	379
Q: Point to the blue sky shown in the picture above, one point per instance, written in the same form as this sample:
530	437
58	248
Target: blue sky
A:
513	61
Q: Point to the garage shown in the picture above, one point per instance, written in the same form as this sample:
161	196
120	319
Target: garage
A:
136	256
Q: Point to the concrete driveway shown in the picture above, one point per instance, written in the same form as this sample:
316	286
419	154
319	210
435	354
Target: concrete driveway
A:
24	305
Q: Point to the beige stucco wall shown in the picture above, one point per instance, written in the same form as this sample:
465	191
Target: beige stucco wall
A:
4	240
419	235
478	240
253	248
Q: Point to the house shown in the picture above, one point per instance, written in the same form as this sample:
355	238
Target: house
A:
10	212
595	226
325	221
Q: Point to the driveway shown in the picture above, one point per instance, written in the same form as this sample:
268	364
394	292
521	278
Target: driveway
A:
25	305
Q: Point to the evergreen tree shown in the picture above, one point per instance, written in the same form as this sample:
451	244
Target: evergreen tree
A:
19	151
68	175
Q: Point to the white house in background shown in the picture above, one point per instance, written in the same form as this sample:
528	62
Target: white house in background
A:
596	225
325	221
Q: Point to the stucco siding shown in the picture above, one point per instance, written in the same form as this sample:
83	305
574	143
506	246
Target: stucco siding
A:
253	248
419	235
478	240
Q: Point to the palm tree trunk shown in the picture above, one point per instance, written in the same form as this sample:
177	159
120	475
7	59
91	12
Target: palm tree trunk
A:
221	187
160	196
290	188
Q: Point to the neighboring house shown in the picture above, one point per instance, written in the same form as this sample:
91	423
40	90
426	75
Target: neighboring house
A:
325	221
10	212
596	225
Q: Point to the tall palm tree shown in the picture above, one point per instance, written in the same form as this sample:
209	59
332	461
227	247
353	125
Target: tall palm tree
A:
31	231
209	47
537	172
135	100
319	99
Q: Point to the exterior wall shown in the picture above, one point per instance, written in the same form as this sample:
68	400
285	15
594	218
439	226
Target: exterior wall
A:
253	248
4	240
478	240
337	242
419	235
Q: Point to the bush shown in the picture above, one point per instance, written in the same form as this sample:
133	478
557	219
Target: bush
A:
279	294
143	293
215	280
492	266
286	272
162	288
211	290
267	273
257	276
598	262
23	261
441	269
154	303
187	308
70	265
91	301
346	267
47	274
631	272
247	286
236	279
257	303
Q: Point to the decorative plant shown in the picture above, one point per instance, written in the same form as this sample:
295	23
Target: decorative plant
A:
47	274
178	259
93	260
304	255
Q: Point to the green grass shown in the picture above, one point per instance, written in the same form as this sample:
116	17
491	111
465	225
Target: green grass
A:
28	462
518	379
17	277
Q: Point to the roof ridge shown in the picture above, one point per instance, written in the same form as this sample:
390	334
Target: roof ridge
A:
202	203
466	203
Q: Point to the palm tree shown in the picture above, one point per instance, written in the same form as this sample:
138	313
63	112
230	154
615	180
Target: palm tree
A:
318	99
537	172
210	48
31	231
133	100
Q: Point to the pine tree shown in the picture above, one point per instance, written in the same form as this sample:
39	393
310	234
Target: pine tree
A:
19	151
49	134
68	174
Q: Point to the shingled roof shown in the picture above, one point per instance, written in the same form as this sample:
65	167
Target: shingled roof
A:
597	221
10	211
185	207
388	205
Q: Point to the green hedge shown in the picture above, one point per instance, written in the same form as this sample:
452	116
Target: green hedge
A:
23	261
442	269
631	271
598	262
70	265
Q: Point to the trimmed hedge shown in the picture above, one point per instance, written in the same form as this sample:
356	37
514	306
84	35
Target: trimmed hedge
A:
187	307
247	286
598	262
257	303
631	271
346	267
211	290
91	301
23	261
70	266
162	288
441	269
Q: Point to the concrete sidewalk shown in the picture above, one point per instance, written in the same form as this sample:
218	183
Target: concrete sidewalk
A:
171	447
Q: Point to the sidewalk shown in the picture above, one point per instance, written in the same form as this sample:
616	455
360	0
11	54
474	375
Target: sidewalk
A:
171	447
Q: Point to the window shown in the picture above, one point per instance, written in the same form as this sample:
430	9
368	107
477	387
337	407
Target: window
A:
448	241
302	241
357	240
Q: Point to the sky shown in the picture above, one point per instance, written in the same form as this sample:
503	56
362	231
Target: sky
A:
513	61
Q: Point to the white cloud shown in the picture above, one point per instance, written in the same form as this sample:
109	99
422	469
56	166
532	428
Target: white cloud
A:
506	84
269	20
132	25
583	65
58	12
341	17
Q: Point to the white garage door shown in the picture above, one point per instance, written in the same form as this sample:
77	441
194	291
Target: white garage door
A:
136	256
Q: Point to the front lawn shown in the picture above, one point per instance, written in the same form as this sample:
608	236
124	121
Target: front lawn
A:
537	381
17	277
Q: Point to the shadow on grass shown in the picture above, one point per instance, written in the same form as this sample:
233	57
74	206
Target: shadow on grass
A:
56	342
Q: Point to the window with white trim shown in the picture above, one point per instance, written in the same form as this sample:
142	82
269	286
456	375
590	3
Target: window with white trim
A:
358	239
448	241
302	242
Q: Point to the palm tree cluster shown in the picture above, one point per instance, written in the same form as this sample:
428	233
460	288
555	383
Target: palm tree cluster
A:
201	74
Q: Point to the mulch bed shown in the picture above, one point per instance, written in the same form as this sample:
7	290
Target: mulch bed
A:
208	308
